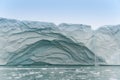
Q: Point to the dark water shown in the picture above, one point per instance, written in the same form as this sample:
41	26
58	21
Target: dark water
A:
61	73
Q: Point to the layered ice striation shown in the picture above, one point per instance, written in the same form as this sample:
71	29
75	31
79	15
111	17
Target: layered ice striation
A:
38	43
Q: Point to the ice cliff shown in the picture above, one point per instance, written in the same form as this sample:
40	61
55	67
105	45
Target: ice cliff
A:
33	42
104	41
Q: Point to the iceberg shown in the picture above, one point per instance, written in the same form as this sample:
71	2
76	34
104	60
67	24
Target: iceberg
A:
37	43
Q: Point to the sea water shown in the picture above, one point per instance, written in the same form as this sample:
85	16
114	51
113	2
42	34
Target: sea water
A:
61	73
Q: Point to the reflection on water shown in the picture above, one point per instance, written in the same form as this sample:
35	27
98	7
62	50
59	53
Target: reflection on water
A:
77	73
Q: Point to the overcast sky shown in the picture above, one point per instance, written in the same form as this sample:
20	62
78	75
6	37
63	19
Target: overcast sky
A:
92	12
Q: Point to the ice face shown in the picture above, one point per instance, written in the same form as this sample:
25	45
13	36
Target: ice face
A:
32	42
107	43
104	42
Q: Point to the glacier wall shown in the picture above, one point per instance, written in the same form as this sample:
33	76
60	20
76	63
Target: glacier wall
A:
104	42
33	42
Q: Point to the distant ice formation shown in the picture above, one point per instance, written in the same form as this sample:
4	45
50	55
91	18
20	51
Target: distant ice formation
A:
36	43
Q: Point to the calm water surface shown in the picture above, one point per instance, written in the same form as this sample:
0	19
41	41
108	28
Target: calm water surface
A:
61	73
